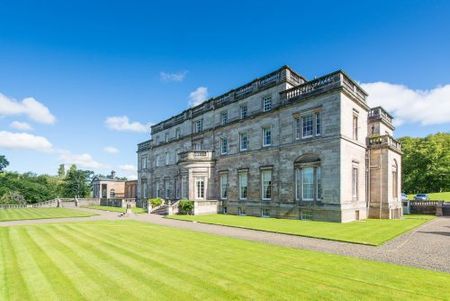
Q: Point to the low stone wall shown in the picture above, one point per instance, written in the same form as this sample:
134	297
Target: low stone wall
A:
86	202
206	207
427	207
118	202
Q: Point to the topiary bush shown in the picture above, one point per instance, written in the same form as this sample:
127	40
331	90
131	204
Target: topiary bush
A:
156	202
185	207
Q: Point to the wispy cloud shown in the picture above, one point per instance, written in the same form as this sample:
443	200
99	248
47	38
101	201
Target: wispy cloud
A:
122	124
24	141
426	107
128	168
111	150
198	96
29	106
173	77
21	126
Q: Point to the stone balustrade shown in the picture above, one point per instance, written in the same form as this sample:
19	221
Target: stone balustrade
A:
196	155
384	141
380	113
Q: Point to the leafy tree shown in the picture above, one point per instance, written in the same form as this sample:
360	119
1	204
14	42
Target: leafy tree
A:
426	163
3	163
12	197
77	182
61	171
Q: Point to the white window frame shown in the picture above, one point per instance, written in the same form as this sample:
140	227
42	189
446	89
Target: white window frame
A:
267	103
244	111
241	176
355	124
167	159
303	171
157	160
305	126
200	188
144	162
224	117
198	125
264	131
241	136
223	186
355	182
318	123
263	185
223	146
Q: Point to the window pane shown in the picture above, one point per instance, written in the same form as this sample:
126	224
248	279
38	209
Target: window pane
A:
267	137
298	128
223	186
318	124
319	183
307	126
308	183
266	184
243	185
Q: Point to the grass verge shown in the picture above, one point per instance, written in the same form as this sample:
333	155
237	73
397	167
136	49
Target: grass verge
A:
370	232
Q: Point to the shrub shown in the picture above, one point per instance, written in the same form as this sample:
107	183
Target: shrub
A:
186	206
156	202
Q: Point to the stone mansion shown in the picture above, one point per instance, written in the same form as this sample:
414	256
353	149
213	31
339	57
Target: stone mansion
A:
279	146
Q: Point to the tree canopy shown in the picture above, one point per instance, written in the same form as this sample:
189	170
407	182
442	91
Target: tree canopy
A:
3	163
426	163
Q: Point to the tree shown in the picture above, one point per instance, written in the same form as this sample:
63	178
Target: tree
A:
12	197
61	171
426	163
77	182
3	163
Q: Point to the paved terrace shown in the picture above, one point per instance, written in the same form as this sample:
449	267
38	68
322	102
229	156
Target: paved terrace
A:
425	247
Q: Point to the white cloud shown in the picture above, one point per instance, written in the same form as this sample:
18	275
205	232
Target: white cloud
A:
28	106
111	150
198	96
82	160
132	177
24	141
411	106
22	126
128	168
173	77
121	123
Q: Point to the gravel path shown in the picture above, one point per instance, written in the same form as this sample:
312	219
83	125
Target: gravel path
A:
427	246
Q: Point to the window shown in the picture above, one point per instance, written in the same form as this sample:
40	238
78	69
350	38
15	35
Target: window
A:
307	126
144	188
265	212
241	211
308	183
184	186
267	103
318	124
306	215
318	183
156	140
224	210
177	133
298	128
166	189
267	136
266	181
244	111
197	145
157	189
167	158
198	126
355	127
157	160
223	186
224	118
223	146
243	183
144	162
355	183
166	137
243	141
112	193
200	188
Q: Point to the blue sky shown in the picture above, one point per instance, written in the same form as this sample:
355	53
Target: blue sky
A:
83	62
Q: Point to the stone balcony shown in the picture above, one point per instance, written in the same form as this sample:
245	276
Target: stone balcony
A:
195	155
378	113
384	141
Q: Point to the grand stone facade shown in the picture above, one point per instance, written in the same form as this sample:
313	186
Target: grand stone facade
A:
279	146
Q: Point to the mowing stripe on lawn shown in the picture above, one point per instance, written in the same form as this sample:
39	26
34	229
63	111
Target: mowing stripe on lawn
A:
174	277
124	266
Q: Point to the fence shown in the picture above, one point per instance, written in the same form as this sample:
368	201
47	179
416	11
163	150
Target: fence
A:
438	208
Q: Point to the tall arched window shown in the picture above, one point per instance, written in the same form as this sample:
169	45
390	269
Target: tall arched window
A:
308	182
395	180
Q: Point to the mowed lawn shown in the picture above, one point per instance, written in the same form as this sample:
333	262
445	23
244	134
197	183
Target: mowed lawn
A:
39	213
127	260
371	232
436	196
118	209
